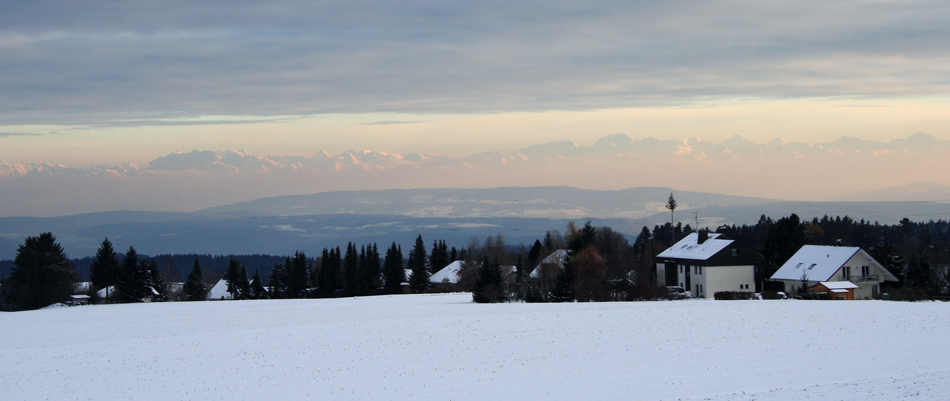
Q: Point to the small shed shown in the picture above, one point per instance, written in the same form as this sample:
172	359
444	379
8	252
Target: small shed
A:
839	290
78	299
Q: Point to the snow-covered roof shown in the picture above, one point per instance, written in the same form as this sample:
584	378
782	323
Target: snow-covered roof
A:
111	290
821	262
449	273
558	257
690	248
220	290
834	286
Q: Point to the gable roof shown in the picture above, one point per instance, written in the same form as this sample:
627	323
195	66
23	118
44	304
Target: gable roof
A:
219	291
690	248
821	262
450	273
558	257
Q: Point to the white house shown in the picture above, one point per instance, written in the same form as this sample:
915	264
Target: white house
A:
706	263
820	263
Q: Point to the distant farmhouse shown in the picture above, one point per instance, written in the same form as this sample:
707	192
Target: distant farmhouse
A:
706	263
830	268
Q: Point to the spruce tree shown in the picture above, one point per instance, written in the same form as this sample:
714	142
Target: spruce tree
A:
133	277
564	285
41	275
157	283
194	287
278	281
419	280
328	280
490	285
257	287
231	277
351	271
244	286
104	268
394	273
297	275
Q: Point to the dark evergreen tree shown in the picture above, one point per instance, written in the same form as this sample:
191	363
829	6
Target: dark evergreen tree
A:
371	270
194	287
394	273
104	269
41	275
231	276
297	274
521	276
535	253
257	287
581	239
278	280
564	285
419	278
351	271
490	284
133	278
328	280
157	283
244	286
439	257
785	237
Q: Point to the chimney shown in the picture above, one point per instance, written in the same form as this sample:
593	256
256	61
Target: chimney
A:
703	236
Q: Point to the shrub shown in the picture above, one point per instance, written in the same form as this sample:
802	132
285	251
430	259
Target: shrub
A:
733	295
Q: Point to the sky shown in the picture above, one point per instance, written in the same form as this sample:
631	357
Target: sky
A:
91	83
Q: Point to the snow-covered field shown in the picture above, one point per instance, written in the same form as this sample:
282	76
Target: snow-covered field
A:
443	347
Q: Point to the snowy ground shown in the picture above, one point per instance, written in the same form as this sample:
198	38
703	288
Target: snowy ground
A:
443	347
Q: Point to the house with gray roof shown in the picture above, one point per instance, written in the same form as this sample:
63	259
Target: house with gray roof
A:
819	263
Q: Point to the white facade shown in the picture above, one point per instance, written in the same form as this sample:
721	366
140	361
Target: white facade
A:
706	281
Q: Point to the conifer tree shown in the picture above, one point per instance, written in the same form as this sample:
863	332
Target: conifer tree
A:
394	273
194	287
104	268
257	287
328	281
351	271
419	280
133	277
231	276
41	275
157	283
490	285
297	275
244	286
439	257
278	280
564	285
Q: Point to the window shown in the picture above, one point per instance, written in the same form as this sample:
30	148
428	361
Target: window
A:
700	270
845	272
865	271
735	252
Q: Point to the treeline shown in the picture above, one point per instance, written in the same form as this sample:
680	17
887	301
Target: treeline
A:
584	263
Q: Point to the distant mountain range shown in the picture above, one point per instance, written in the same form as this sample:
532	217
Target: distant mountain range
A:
845	169
284	224
613	146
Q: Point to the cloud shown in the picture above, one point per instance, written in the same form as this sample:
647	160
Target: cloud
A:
15	134
392	122
87	61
